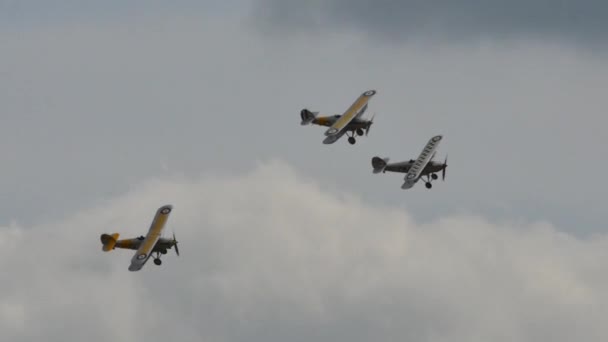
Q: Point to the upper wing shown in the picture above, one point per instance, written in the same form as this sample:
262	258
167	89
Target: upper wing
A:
425	156
356	109
156	228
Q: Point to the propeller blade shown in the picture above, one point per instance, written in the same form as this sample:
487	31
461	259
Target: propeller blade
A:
175	245
369	124
445	165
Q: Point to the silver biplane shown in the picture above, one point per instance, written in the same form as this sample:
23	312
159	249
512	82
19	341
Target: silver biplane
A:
423	166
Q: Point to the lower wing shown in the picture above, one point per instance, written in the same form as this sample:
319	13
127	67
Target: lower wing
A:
333	138
409	183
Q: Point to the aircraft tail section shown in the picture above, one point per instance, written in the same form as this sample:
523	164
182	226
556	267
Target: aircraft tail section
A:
307	116
109	241
379	164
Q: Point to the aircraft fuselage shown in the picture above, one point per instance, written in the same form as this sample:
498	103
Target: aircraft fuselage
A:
404	167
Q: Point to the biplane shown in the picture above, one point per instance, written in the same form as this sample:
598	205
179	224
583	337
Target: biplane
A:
349	123
152	245
424	166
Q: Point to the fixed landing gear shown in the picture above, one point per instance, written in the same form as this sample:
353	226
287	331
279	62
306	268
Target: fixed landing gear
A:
157	260
360	132
351	136
430	178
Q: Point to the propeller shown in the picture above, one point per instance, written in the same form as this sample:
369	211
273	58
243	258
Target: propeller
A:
445	165
175	245
369	124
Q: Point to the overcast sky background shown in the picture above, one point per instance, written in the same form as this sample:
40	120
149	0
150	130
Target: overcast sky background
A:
112	109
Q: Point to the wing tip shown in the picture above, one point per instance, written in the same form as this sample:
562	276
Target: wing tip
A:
330	139
407	185
134	268
165	209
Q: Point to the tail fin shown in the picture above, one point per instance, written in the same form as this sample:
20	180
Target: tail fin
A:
307	116
379	164
109	241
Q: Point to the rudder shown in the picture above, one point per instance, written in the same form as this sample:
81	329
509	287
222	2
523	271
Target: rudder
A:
307	116
109	241
379	164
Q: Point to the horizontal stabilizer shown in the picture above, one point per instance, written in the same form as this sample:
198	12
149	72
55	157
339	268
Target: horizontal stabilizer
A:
307	116
109	241
379	164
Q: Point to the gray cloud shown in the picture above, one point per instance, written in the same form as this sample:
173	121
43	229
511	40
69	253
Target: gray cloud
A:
102	123
577	22
26	14
270	256
108	106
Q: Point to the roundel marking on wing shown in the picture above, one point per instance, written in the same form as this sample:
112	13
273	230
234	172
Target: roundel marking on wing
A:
437	138
369	93
141	256
165	211
332	131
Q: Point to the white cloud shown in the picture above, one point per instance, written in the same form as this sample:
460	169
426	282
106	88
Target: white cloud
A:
270	256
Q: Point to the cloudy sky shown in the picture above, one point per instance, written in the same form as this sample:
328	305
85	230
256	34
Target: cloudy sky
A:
111	109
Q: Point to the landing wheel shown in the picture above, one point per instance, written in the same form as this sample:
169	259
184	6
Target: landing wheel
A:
164	251
157	262
360	132
434	176
428	185
352	140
